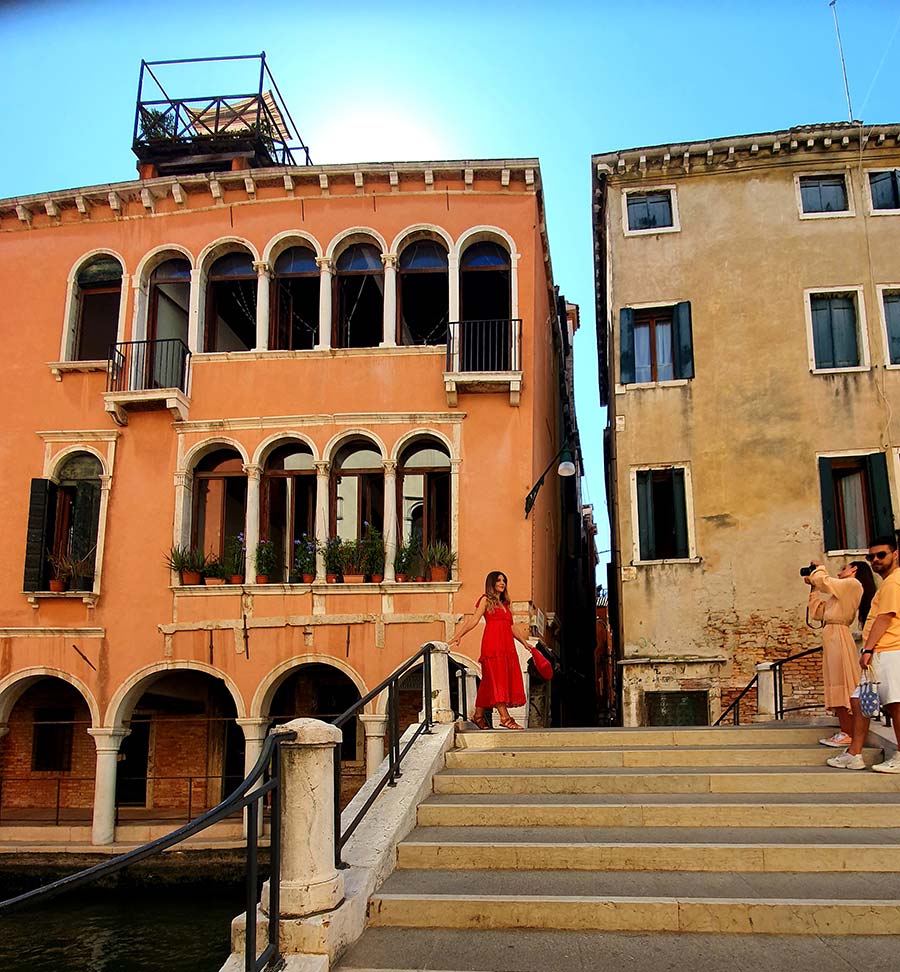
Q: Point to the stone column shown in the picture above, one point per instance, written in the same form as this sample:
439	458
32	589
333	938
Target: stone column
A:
453	283
107	742
441	710
310	883
263	287
251	531
322	481
471	682
454	515
390	518
326	274
389	327
765	692
195	329
255	731
374	726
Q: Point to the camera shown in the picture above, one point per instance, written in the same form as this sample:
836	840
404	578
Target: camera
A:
806	571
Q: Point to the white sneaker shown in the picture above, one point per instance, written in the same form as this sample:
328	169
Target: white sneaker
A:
840	740
891	765
846	761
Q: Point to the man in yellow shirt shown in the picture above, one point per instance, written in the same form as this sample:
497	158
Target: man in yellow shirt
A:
881	653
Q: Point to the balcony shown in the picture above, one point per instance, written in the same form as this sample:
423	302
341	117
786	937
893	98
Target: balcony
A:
484	356
145	376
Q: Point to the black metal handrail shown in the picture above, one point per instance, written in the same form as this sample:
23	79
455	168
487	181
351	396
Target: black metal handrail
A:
269	760
140	365
484	345
395	755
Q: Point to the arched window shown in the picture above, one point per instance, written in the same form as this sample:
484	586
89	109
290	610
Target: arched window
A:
99	295
359	298
167	322
485	306
295	309
357	491
288	507
423	497
423	299
231	304
78	512
220	500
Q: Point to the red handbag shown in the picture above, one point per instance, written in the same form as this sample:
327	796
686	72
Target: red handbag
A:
541	663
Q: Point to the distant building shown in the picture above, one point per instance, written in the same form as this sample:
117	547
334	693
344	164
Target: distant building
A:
748	308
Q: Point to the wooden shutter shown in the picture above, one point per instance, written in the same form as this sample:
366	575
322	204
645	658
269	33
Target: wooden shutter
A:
85	518
829	520
646	529
823	341
39	534
626	346
892	318
682	340
879	495
844	332
678	501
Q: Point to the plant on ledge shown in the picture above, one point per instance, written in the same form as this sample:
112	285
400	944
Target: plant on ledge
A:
331	551
353	560
373	554
190	562
407	552
83	571
440	559
266	561
305	558
233	558
62	569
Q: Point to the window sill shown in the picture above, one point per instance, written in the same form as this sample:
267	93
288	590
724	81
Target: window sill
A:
425	350
884	212
87	597
838	215
847	553
482	381
385	587
656	231
60	368
839	371
639	385
674	560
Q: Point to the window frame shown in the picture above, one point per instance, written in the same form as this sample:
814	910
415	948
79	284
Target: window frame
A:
413	271
210	318
307	478
622	387
845	456
881	290
429	474
337	325
363	495
862	333
197	495
72	315
848	188
671	188
872	210
692	557
64	730
275	296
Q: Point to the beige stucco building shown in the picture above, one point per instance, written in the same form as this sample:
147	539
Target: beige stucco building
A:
748	296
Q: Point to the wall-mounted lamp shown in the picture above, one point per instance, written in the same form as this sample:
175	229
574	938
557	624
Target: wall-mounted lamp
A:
566	467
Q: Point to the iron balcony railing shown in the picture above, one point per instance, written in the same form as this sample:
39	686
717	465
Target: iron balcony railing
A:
141	365
484	346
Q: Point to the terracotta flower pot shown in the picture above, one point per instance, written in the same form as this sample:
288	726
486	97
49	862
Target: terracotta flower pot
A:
439	574
420	579
308	578
57	586
400	578
191	577
354	578
262	578
214	581
331	578
377	578
236	579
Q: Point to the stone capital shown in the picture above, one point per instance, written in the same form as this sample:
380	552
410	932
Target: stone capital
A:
390	466
262	268
253	470
311	732
325	264
374	724
389	260
254	728
108	740
323	467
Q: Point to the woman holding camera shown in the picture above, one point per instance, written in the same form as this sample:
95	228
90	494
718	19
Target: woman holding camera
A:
837	602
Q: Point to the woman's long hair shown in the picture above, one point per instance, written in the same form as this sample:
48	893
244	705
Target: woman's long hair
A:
490	594
864	576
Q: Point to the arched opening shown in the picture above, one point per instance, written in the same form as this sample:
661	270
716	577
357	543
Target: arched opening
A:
423	495
167	324
411	699
231	304
485	306
422	293
357	491
47	759
288	508
319	691
99	294
220	501
295	310
76	520
359	298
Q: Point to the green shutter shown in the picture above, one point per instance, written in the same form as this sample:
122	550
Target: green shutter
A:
843	330
879	496
829	521
682	340
85	518
892	317
646	529
39	534
678	500
626	346
823	341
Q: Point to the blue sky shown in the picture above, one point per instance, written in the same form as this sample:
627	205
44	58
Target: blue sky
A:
372	81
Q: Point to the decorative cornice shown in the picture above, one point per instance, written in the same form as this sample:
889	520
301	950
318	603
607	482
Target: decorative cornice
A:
347	418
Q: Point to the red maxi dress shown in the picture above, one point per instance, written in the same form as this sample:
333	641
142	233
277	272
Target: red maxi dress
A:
501	676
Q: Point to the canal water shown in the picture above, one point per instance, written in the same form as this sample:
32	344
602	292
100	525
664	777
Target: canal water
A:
128	930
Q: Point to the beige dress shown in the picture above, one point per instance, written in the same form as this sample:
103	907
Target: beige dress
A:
835	601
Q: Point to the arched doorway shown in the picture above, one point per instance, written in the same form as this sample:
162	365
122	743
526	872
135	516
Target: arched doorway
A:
410	691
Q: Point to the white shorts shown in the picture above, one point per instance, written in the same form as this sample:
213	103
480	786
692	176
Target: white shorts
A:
886	667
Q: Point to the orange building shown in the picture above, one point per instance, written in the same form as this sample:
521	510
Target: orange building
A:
235	350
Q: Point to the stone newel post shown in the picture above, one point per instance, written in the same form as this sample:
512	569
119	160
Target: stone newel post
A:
310	882
765	691
441	710
375	726
107	741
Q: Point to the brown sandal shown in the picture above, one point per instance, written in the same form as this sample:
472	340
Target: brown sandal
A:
479	721
510	723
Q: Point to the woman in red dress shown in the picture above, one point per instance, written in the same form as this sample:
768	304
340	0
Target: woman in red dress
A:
501	677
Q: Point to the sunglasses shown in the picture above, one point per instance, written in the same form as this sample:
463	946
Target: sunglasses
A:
881	555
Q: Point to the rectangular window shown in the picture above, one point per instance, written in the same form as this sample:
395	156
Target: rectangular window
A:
891	300
662	514
656	344
51	746
856	500
823	194
650	210
835	330
885	189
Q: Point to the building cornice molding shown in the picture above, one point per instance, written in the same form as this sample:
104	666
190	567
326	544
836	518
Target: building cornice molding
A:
346	418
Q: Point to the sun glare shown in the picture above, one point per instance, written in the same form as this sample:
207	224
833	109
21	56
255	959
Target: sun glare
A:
378	135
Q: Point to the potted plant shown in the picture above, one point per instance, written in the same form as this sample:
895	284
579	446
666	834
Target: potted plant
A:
440	559
266	561
61	568
373	545
215	572
305	559
188	561
83	572
233	558
404	557
353	561
331	551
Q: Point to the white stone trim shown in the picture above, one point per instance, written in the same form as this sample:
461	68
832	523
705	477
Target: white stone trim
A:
862	333
339	438
70	315
351	235
423	433
260	453
271	681
848	186
200	449
692	557
478	234
868	190
672	189
215	426
140	283
208	256
14	685
881	290
285	240
893	480
422	231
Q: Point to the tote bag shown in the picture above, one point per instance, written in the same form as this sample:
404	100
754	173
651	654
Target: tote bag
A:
869	700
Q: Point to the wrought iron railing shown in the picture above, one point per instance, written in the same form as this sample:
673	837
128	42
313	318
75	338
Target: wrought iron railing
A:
777	669
484	346
141	365
267	774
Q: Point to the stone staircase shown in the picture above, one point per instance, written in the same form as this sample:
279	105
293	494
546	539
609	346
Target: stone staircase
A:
674	849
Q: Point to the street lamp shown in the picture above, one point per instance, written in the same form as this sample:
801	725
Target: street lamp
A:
566	467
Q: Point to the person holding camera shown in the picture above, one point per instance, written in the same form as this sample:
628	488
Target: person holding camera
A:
837	602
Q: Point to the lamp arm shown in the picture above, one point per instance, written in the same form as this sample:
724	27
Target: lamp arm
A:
532	495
